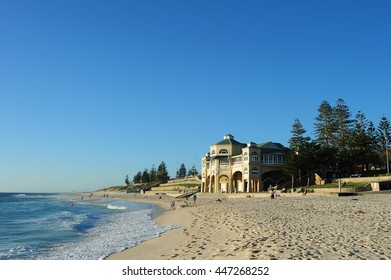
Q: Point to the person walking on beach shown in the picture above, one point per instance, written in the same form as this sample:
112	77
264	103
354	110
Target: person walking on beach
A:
194	198
273	194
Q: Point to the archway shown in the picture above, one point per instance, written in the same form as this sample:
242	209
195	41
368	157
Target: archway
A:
237	182
223	184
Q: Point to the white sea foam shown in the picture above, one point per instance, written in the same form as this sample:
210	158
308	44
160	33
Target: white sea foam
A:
121	231
114	207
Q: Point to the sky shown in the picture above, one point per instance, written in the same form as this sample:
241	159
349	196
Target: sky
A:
92	91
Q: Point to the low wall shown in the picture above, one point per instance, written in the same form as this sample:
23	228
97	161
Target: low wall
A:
330	190
366	179
374	184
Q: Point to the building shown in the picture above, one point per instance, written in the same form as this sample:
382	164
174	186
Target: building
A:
231	166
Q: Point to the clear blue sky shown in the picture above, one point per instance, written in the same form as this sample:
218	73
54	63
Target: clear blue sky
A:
91	91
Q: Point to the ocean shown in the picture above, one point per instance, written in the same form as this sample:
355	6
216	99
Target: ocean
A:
38	226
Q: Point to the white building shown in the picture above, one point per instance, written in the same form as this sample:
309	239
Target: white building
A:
231	166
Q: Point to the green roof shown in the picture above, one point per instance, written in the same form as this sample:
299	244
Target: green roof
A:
266	147
230	142
272	148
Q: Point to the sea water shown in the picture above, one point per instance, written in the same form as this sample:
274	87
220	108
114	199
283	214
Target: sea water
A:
37	226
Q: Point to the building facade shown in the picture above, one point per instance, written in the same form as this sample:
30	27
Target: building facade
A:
231	166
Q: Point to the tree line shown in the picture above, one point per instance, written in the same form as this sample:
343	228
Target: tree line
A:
160	175
342	145
182	172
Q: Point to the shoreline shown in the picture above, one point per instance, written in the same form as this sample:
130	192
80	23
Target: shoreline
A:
133	223
291	227
167	217
166	241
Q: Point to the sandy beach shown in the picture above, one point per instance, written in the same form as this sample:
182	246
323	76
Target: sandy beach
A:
290	227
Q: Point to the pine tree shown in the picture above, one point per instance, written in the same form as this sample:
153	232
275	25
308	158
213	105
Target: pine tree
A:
360	142
298	138
127	180
383	135
325	126
384	131
162	173
153	173
374	157
137	177
182	171
325	136
343	131
343	124
297	161
146	178
193	171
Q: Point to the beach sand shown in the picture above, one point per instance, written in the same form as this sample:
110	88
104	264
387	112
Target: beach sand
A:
290	227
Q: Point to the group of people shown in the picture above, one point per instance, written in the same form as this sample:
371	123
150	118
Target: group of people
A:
273	194
303	191
91	195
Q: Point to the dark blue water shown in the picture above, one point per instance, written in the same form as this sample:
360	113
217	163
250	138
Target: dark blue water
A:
46	226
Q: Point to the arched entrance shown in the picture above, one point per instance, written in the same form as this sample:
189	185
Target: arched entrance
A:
223	183
237	182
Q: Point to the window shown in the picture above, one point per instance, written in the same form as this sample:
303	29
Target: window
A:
213	152
223	151
254	171
254	156
224	161
278	159
246	170
245	156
